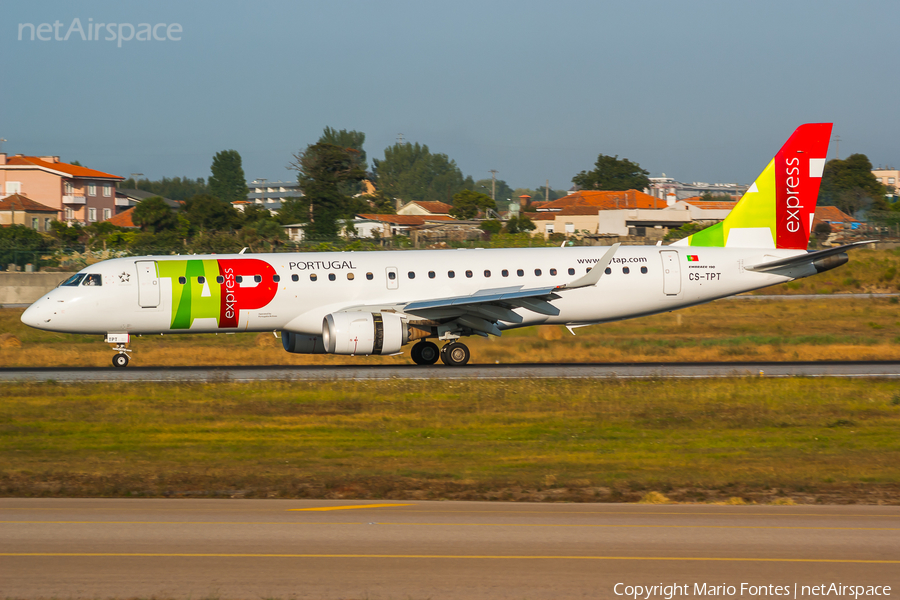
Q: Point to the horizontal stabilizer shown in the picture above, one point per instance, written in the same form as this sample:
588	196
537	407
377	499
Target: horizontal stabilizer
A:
806	259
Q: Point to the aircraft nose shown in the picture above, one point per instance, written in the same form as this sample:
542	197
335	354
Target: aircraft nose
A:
38	315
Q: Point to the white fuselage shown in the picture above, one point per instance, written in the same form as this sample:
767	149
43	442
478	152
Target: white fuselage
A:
294	292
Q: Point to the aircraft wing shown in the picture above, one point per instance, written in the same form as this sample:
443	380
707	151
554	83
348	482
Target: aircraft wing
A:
816	259
482	311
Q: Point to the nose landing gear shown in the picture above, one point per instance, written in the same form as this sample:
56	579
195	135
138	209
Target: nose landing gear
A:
120	340
121	359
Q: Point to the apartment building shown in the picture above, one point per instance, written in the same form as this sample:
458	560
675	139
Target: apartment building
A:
77	193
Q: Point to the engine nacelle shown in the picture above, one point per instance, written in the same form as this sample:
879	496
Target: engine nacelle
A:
301	343
364	333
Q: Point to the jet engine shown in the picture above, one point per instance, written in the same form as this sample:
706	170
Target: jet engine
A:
301	343
364	333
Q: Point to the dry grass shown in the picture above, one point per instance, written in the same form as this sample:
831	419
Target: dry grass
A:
741	440
727	330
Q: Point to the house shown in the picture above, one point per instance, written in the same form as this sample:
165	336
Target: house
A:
76	193
129	198
580	212
391	225
20	210
424	208
834	217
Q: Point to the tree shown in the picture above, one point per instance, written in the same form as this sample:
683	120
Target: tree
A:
206	213
153	215
174	188
412	173
519	224
467	204
503	193
21	245
322	169
68	235
348	139
850	185
228	183
612	173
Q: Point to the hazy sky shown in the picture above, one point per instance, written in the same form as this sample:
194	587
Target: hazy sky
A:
703	91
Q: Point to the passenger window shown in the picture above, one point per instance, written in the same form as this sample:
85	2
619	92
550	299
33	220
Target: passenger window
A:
201	280
468	273
295	277
626	270
239	279
430	274
392	275
411	275
571	271
369	276
182	280
520	273
220	279
74	280
451	274
487	273
553	271
276	278
505	273
93	279
608	271
331	277
644	270
537	272
257	278
313	277
350	276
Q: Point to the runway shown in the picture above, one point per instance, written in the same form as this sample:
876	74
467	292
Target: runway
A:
885	369
89	548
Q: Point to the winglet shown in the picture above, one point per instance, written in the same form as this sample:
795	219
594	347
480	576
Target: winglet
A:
593	276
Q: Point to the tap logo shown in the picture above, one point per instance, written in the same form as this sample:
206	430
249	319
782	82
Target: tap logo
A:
217	289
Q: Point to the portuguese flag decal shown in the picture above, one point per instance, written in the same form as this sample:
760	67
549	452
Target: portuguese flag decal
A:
692	258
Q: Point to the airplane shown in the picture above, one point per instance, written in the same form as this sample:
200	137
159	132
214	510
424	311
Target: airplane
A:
364	303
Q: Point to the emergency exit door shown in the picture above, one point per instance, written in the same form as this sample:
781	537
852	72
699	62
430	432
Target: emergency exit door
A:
671	273
148	283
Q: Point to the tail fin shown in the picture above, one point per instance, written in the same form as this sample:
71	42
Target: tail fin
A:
778	209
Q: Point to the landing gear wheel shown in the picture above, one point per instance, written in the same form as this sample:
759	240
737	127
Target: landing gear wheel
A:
424	353
455	354
120	360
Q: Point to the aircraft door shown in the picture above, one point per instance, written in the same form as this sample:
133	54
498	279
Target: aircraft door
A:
393	278
148	283
671	272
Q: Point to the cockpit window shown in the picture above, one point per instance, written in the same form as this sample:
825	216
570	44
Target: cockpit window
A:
73	280
92	279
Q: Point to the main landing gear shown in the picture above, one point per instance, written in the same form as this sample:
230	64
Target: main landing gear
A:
454	354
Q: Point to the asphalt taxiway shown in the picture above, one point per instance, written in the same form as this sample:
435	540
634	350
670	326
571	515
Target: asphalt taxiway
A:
660	370
175	548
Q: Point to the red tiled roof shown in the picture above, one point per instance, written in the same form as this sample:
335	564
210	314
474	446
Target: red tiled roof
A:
406	219
70	170
832	215
19	202
123	219
606	200
436	208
